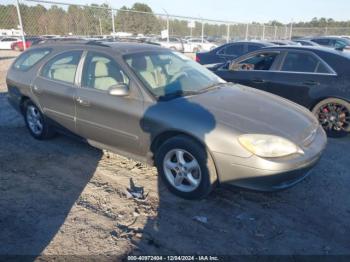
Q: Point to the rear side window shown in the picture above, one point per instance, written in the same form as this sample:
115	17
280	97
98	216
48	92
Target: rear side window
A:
321	41
30	58
252	48
235	50
62	67
303	62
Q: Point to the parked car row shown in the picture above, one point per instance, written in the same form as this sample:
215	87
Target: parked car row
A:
188	45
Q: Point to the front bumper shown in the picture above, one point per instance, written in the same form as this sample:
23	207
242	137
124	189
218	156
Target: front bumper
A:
270	174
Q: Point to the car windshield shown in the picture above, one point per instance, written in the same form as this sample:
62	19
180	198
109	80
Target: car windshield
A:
171	74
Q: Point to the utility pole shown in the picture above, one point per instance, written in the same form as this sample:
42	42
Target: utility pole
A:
113	26
263	33
99	19
228	33
247	32
21	25
291	30
275	37
167	24
202	31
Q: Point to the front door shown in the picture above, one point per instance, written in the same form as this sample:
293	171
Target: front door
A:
104	118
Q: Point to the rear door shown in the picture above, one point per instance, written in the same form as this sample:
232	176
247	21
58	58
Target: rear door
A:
55	88
301	77
109	120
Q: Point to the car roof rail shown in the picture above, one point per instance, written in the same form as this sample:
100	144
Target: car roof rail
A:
97	42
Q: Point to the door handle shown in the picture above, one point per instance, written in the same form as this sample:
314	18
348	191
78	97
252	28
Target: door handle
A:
82	101
258	81
311	83
36	89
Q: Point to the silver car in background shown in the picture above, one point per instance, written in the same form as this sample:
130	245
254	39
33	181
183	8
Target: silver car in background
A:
157	105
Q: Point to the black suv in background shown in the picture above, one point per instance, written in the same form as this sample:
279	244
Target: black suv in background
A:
229	51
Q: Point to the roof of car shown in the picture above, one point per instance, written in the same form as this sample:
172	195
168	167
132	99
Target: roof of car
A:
311	48
120	47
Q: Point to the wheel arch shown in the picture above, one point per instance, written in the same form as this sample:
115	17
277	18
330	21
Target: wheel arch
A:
320	99
166	135
22	102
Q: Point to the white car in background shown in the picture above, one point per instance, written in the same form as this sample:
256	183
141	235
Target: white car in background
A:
7	41
194	45
174	43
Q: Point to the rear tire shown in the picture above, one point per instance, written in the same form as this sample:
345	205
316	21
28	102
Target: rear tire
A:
36	122
334	116
192	178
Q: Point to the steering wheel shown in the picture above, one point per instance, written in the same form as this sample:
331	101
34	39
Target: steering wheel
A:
178	75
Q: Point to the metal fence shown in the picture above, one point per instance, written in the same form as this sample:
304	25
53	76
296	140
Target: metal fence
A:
41	17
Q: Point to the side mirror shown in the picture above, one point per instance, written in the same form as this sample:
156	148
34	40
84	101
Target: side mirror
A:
119	90
340	47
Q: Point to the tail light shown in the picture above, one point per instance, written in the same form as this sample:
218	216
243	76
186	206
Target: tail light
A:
197	58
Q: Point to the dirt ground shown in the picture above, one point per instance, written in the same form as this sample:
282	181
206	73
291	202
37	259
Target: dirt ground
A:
64	197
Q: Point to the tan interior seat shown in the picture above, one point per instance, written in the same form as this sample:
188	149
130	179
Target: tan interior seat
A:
140	64
102	80
64	73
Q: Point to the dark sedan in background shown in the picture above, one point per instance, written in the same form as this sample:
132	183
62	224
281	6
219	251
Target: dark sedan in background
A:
332	41
317	78
230	51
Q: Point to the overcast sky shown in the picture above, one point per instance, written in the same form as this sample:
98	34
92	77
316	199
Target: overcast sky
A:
241	10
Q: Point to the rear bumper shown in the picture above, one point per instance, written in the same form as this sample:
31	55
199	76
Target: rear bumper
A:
269	174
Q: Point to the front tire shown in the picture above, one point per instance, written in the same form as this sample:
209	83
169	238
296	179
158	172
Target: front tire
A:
334	116
36	122
186	167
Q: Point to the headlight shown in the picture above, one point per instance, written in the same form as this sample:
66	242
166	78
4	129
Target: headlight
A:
269	145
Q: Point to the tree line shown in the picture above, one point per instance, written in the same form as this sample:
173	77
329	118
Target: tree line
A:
97	20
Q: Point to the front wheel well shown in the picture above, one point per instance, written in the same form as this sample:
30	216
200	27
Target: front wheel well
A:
161	138
24	99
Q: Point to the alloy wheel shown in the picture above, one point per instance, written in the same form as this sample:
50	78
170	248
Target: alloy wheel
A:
182	170
34	119
334	117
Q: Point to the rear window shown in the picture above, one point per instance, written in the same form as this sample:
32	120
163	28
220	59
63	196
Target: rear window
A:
28	59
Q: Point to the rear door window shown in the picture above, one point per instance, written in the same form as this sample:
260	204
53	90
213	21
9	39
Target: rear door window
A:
252	48
234	50
28	59
303	62
322	41
62	67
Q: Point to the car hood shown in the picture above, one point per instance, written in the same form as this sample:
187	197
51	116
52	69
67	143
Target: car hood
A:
248	110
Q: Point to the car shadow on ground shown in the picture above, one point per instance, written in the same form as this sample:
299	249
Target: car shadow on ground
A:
31	215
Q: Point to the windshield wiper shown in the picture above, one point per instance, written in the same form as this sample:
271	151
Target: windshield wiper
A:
210	88
176	94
